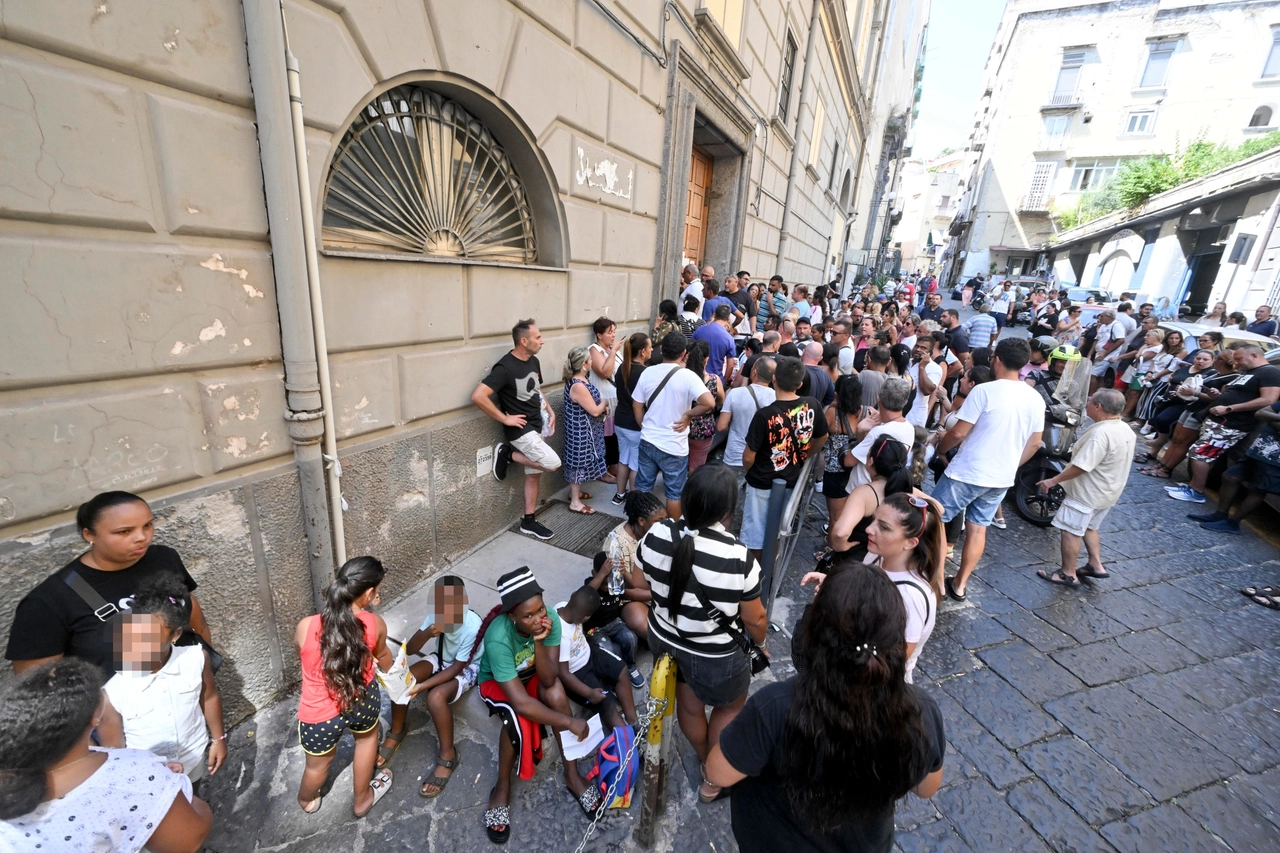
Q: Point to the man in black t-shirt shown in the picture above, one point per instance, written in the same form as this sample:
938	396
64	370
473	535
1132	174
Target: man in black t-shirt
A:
1231	419
516	383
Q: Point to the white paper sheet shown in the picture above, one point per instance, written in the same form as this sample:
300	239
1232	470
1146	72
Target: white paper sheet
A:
574	749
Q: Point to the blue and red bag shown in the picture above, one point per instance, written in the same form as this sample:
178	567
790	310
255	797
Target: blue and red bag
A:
613	749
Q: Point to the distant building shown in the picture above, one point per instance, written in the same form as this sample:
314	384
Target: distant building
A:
930	193
1073	89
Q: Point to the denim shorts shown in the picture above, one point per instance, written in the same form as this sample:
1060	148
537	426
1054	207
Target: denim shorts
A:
755	513
978	503
715	681
675	470
628	447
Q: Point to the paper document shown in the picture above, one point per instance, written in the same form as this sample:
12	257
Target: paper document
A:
574	749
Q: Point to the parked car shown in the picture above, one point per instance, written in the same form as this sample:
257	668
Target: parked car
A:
1191	331
1083	294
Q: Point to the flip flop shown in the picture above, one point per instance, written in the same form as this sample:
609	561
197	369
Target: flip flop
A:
951	590
1270	601
720	794
1252	591
1158	471
436	779
590	801
1089	570
1059	578
319	801
586	510
381	784
386	753
497	824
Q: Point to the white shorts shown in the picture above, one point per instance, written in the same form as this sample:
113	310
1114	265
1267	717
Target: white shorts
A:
464	680
1076	518
538	452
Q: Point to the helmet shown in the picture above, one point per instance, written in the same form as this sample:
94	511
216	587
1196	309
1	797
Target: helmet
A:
1066	352
1043	344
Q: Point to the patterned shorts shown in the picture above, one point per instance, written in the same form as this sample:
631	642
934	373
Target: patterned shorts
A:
1215	441
361	717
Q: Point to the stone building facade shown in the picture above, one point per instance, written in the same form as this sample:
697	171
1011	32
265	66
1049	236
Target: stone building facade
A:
466	165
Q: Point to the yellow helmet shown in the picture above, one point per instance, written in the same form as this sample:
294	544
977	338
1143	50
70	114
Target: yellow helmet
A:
1065	352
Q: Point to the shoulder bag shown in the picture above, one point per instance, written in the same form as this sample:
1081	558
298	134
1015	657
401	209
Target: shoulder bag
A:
755	655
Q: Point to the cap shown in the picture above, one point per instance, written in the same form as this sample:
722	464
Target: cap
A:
517	586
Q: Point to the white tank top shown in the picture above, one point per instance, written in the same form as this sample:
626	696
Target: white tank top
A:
608	391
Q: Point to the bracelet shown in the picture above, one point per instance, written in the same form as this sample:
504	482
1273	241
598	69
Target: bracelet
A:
223	736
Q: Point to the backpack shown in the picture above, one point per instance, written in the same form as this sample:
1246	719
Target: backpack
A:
608	765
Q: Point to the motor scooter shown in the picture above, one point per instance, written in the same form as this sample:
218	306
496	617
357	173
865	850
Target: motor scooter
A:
1061	423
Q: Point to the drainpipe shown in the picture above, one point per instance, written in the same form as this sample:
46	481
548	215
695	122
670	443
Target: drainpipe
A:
264	29
810	49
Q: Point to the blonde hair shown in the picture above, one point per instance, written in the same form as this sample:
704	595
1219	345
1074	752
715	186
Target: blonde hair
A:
1159	333
573	363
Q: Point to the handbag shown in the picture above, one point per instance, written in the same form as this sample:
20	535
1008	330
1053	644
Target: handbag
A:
755	655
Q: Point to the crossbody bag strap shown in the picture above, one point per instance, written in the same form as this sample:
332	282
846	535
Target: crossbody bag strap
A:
102	608
928	605
663	384
718	616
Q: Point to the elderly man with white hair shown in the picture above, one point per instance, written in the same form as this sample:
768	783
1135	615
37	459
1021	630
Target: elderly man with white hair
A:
1094	482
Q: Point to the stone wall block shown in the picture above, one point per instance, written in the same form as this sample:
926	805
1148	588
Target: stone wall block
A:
210	175
197	45
436	381
378	303
640	296
284	546
558	146
546	80
629	240
334	77
364	393
646	15
634	126
499	296
472	50
600	174
471	506
645	196
596	293
556	15
73	148
586	232
396	36
58	451
243	414
601	40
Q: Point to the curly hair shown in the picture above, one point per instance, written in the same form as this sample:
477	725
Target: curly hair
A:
344	654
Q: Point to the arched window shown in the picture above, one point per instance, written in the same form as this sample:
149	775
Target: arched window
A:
416	173
1261	117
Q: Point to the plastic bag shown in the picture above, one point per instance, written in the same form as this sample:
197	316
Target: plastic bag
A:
398	680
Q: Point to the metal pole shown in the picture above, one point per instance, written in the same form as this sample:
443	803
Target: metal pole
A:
772	527
662	685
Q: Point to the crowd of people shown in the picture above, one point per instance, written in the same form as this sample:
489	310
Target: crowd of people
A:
915	424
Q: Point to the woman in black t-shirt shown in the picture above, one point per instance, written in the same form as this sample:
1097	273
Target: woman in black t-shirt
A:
818	762
71	612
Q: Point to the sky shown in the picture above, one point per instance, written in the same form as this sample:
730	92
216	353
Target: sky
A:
960	36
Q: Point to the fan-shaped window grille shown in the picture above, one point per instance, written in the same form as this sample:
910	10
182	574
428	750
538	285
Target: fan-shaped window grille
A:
416	173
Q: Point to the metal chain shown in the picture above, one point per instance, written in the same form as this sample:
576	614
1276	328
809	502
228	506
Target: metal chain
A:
655	708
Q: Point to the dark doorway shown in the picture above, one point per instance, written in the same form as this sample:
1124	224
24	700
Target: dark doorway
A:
1203	275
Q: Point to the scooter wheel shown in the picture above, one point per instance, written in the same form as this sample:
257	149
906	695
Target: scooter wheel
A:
1037	508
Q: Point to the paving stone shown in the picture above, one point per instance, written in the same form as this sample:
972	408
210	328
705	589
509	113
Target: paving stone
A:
1035	630
1082	620
1176	601
1249	733
1031	673
1208	637
1084	779
1158	650
998	765
1101	663
1142	543
985	821
1255	671
1229	817
987	598
1025	588
1211	680
911	811
1054	820
1152	749
1001	709
943	657
1262	792
932	837
973	630
1132	610
1166	829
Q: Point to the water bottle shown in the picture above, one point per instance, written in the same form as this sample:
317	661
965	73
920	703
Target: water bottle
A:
613	548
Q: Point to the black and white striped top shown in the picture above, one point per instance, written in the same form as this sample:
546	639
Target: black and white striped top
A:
725	569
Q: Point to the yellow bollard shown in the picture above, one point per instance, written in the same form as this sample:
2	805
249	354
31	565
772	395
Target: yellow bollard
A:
662	687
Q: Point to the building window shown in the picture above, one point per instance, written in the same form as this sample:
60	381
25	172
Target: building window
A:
1091	174
728	14
1261	117
1272	68
1159	54
1064	91
1140	123
835	161
944	202
418	174
1037	196
1055	131
815	139
785	80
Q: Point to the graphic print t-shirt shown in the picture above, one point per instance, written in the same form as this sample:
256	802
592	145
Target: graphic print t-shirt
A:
518	386
781	435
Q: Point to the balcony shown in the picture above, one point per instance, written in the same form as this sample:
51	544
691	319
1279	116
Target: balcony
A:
1059	102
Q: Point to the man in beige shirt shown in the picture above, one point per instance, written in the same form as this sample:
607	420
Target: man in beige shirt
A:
1094	482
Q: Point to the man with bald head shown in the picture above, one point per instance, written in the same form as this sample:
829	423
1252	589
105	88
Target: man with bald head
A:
818	383
690	285
787	345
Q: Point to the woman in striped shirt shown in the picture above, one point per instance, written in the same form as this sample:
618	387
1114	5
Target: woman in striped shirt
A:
689	562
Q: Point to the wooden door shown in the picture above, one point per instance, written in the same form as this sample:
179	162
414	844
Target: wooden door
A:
695	219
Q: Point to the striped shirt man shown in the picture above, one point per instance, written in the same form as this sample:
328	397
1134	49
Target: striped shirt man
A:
723	567
770	303
982	330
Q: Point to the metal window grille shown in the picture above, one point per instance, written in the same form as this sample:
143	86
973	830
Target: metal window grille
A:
416	173
1037	193
784	82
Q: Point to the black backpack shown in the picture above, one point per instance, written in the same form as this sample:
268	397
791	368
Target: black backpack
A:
1088	339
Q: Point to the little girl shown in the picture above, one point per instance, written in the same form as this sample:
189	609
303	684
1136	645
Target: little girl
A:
163	698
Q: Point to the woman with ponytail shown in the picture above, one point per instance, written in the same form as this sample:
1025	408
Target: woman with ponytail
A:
338	649
635	355
890	462
60	792
694	563
817	762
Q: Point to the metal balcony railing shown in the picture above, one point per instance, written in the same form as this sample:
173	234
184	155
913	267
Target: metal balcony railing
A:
1034	203
1067	100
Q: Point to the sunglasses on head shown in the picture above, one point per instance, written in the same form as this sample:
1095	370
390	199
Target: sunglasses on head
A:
922	505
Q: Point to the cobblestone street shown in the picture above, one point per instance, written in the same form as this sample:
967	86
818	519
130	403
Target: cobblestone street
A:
1136	714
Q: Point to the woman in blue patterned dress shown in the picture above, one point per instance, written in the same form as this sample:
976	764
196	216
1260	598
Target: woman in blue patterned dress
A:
583	429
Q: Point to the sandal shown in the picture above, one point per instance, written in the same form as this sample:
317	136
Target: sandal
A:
319	801
584	496
497	824
381	784
1089	570
1059	578
1253	591
720	794
436	779
585	510
385	752
951	590
822	554
1157	470
1141	457
1270	601
590	801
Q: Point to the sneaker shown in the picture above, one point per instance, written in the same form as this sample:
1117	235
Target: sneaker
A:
999	522
637	677
1176	487
1188	494
619	499
1207	516
532	527
501	459
1225	525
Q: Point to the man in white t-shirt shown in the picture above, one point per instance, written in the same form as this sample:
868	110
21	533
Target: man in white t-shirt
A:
690	285
886	420
997	418
1107	346
667	397
740	406
1124	316
926	374
842	337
